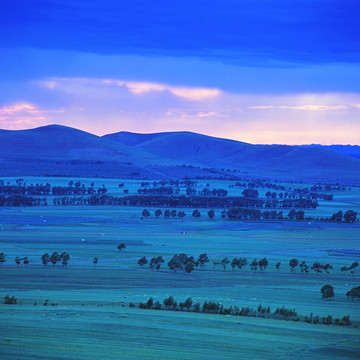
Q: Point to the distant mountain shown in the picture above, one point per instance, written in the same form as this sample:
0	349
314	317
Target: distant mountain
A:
60	150
265	160
349	150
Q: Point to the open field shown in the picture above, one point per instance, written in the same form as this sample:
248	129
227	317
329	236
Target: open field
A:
93	318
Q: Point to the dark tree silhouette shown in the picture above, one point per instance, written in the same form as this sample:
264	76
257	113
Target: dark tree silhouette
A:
145	213
158	213
17	261
327	292
168	302
254	265
142	261
2	258
155	262
350	216
45	258
26	260
293	263
196	214
167	213
203	259
304	267
211	214
263	263
277	266
354	293
54	258
224	263
64	257
121	247
181	214
95	261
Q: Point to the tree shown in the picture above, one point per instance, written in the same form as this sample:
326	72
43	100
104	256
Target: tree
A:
10	300
17	261
95	261
155	262
354	293
181	214
337	217
167	213
121	247
292	214
353	267
2	258
168	302
263	263
64	257
54	258
143	261
350	216
196	214
293	263
186	304
327	292
145	213
300	215
45	258
304	267
224	262
211	214
158	213
26	260
254	265
173	213
203	259
277	266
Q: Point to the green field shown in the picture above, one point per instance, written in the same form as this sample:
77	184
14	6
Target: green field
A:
92	318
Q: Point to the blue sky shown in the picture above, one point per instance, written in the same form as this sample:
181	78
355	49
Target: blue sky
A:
260	71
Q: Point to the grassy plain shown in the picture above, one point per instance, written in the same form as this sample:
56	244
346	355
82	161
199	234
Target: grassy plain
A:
93	320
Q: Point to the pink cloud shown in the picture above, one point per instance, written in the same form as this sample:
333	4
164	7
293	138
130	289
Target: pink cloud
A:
135	87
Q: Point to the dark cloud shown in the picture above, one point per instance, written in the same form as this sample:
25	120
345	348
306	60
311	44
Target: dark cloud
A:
260	32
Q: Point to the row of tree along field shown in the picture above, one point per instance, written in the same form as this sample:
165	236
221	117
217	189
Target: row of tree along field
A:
349	216
214	307
183	262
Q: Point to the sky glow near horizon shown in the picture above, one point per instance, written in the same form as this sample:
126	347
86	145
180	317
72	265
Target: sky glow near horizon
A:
256	71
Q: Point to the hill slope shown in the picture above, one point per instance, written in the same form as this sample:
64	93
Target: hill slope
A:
67	151
265	160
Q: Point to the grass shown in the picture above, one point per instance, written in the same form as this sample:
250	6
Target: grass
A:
90	320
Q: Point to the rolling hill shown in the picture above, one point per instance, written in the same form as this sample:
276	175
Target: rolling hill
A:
265	160
59	150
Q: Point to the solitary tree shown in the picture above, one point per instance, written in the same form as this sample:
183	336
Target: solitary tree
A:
143	261
354	293
95	261
196	213
121	247
2	258
277	266
327	292
158	213
211	214
17	261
